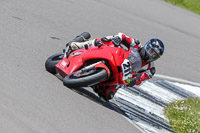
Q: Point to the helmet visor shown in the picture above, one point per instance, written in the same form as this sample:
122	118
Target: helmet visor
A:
152	52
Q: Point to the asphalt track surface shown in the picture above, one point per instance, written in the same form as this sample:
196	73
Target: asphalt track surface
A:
34	101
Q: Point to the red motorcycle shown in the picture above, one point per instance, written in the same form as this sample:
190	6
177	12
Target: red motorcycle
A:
102	68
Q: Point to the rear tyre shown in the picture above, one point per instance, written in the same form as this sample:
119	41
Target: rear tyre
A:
84	79
52	61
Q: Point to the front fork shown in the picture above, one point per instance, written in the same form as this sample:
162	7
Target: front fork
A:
67	51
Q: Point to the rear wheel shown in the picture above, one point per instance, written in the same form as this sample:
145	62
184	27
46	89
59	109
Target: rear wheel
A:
52	61
83	79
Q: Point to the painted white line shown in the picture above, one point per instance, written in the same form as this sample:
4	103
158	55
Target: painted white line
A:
176	79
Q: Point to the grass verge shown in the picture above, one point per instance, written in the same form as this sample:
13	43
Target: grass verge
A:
192	5
184	115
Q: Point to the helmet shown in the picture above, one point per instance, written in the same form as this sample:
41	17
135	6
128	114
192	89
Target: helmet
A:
152	50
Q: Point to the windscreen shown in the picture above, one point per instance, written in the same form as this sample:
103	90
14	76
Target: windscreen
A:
135	59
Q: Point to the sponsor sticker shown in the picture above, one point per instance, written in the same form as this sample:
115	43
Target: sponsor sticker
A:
63	64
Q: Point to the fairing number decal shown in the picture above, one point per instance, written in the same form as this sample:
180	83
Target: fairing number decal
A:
126	69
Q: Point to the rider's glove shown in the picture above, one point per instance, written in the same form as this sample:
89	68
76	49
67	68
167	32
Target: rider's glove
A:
136	41
116	40
132	82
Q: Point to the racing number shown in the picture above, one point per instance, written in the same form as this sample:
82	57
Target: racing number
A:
126	68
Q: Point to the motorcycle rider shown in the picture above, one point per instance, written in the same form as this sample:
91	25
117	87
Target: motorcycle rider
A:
151	51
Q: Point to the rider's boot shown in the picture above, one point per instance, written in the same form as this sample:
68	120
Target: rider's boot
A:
79	45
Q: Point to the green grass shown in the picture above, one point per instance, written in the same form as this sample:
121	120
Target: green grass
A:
192	5
184	115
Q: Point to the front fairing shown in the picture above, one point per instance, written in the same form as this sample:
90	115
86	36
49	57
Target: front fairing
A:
116	57
79	59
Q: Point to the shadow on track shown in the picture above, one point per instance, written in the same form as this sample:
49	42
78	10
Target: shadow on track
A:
90	95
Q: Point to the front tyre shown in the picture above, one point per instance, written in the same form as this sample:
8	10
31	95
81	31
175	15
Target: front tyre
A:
52	61
84	79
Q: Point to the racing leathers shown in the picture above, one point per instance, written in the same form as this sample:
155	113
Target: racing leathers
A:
146	69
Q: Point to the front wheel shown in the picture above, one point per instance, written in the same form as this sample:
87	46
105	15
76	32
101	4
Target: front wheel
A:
84	79
52	61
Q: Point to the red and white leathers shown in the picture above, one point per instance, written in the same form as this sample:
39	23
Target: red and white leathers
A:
147	69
